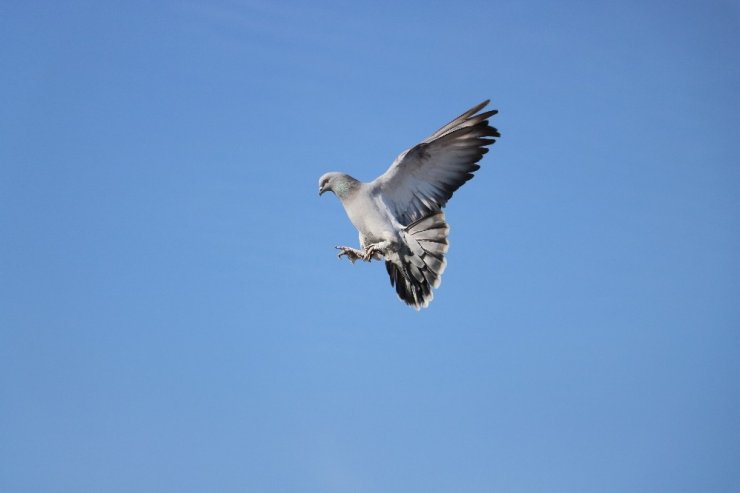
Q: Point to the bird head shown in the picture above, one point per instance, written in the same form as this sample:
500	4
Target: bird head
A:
339	183
324	183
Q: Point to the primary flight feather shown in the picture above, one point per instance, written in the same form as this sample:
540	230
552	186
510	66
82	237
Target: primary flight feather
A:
399	214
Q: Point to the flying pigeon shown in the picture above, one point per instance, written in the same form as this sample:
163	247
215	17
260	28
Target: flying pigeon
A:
399	214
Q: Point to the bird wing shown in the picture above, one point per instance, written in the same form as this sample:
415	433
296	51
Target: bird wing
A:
423	178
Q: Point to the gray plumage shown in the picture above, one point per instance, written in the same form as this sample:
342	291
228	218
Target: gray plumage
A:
399	214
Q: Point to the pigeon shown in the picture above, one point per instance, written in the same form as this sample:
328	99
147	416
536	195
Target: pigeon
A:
399	214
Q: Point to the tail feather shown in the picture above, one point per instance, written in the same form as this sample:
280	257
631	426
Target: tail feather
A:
418	268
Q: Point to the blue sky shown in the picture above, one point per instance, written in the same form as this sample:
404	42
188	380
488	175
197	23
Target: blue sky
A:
172	314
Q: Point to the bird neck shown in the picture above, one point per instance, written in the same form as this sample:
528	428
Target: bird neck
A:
345	186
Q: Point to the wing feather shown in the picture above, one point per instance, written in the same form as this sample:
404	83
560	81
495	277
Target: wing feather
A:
423	178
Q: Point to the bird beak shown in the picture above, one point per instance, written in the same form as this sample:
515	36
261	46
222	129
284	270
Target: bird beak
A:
321	191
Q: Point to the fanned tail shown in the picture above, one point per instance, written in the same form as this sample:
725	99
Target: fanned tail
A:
419	267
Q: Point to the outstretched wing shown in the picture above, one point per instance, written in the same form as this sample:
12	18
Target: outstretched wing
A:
422	179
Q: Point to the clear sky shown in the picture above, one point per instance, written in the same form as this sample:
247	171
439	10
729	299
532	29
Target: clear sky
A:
172	314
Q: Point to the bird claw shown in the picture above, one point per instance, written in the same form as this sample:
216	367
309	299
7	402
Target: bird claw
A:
369	253
352	254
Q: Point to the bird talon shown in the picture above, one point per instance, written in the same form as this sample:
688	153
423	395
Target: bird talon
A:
349	252
367	256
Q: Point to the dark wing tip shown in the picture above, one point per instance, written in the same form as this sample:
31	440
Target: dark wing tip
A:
486	114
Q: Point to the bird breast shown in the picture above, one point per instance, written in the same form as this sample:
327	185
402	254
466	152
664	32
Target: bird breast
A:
372	221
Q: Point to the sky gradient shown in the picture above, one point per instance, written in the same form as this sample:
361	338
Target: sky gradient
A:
172	314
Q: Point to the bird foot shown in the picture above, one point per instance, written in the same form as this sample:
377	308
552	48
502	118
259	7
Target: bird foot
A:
370	253
351	253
